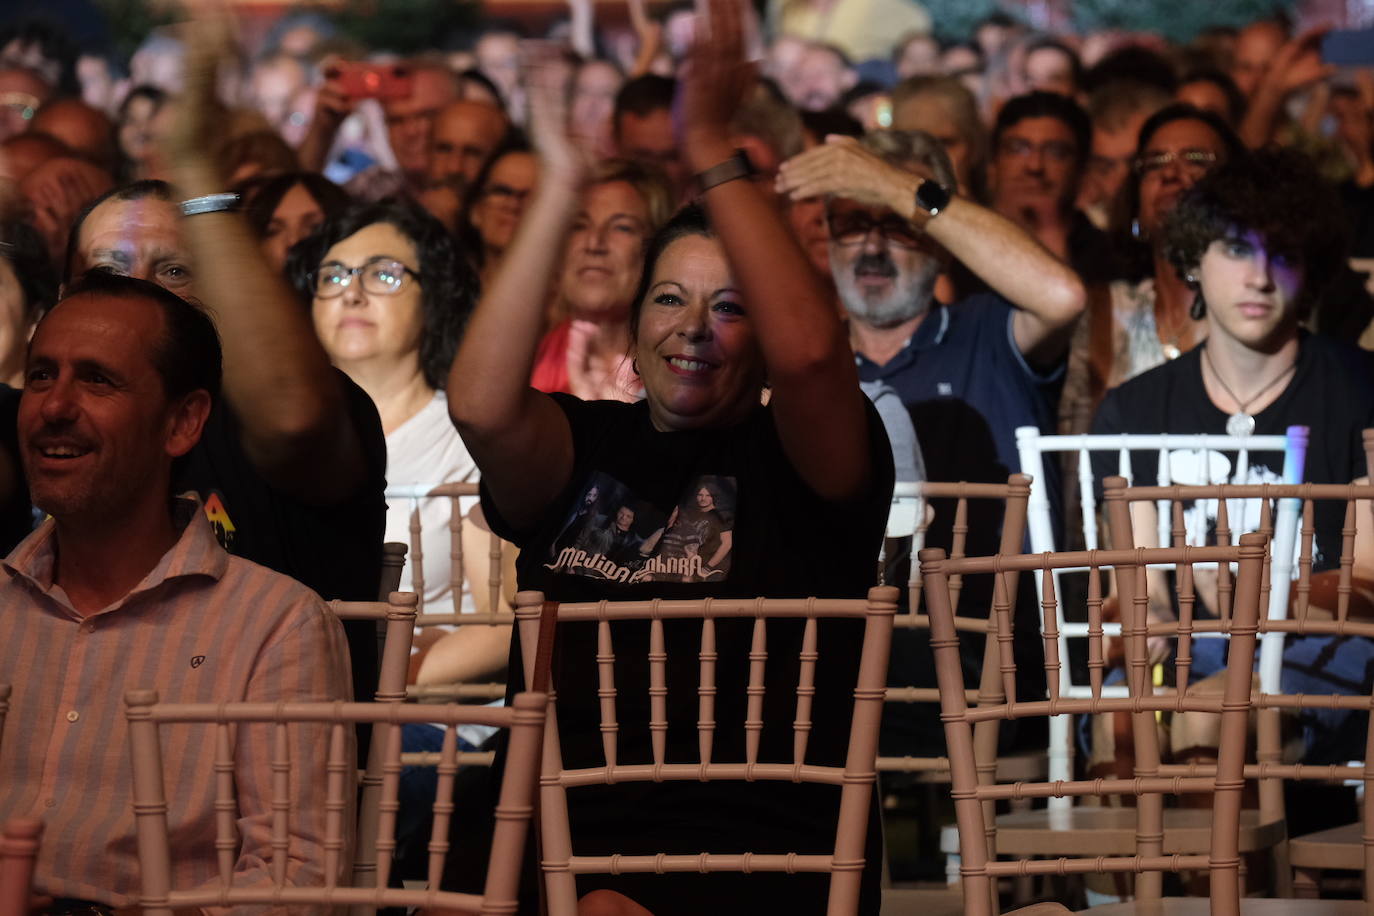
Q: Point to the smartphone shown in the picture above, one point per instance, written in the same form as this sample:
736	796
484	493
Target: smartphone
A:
360	80
1349	47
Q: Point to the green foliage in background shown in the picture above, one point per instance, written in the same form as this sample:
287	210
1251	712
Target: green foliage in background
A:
405	26
954	19
1178	20
131	21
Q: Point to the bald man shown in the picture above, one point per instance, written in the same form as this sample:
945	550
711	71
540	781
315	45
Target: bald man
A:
465	133
86	131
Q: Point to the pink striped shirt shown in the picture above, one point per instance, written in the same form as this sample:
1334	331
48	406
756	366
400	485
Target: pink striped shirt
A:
202	627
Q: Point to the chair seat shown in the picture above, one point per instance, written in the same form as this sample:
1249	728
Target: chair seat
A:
1339	847
1105	831
1201	906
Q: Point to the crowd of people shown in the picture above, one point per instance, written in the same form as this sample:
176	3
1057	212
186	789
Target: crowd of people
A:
686	295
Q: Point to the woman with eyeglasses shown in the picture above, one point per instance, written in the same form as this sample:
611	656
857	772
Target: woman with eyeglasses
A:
389	293
1148	317
496	201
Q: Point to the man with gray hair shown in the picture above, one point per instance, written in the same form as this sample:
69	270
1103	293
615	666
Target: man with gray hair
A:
971	372
967	373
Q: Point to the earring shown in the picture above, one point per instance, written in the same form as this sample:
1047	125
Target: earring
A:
1198	310
1137	233
1190	279
634	366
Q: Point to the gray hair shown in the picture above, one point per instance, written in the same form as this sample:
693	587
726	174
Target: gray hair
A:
905	148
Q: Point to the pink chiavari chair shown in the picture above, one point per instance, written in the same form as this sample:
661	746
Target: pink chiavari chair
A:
396	620
856	777
934	768
19	840
524	719
974	796
492	597
1349	847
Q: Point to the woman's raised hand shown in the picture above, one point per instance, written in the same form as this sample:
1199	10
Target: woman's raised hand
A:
547	77
715	81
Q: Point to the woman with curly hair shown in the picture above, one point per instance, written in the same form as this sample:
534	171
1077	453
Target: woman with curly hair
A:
389	293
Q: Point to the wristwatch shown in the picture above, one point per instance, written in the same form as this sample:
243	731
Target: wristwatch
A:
931	197
737	166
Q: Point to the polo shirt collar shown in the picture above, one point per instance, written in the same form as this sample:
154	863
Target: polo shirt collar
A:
929	334
195	553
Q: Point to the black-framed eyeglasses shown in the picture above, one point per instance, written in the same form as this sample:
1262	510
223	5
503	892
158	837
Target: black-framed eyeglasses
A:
1193	161
506	192
1020	148
854	228
381	276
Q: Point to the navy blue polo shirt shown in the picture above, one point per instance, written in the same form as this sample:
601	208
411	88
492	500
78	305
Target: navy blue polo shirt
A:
968	387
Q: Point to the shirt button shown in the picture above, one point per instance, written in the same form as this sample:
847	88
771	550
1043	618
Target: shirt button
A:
49	803
73	716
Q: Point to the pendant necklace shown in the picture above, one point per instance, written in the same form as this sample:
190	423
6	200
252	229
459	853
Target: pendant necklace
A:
1168	344
1241	423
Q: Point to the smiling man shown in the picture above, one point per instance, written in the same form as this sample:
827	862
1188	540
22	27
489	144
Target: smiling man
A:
125	587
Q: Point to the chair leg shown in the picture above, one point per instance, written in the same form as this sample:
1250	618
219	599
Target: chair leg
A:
1306	883
1283	872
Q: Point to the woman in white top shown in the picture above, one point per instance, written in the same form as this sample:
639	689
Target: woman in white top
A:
389	295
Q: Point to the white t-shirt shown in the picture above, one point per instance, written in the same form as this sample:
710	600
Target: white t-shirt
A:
427	451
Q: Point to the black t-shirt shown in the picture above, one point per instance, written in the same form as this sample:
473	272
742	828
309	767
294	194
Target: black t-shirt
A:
334	550
717	512
16	515
1331	393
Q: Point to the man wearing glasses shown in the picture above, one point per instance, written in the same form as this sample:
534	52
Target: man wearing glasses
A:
1040	147
970	372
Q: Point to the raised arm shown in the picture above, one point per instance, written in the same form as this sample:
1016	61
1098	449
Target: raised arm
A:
519	437
816	401
1048	295
294	418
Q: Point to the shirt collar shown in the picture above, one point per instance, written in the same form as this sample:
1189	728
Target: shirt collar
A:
195	553
929	334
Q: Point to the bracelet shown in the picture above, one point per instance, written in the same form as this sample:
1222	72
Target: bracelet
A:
210	203
737	166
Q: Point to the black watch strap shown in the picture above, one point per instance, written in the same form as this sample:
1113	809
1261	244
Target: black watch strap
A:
737	166
932	197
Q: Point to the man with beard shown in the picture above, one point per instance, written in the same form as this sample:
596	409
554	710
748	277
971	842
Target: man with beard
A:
971	372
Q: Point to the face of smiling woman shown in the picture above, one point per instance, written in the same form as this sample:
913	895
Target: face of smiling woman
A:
696	349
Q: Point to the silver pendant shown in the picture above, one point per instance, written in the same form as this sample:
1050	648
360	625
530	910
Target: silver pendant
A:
1171	351
1240	424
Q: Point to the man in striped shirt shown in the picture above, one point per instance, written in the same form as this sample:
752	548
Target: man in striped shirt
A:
125	587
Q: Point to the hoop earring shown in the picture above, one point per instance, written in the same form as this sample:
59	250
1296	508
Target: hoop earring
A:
634	366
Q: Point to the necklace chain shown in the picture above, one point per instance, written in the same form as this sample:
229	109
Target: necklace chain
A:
1254	397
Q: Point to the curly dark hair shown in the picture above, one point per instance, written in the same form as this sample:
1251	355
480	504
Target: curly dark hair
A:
23	248
1274	193
448	286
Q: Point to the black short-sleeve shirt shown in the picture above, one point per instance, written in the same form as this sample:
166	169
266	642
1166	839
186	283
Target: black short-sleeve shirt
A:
717	512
